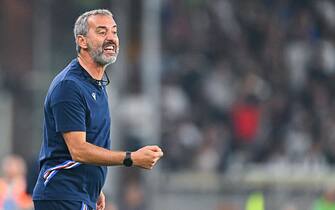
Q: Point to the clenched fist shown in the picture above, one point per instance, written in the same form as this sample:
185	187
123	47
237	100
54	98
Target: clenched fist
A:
147	156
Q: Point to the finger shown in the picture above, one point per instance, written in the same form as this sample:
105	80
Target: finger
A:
147	166
155	160
100	206
158	155
154	148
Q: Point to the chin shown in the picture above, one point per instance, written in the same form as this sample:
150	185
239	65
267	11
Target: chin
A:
103	61
111	59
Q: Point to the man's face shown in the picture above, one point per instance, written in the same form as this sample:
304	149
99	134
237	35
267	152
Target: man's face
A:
102	39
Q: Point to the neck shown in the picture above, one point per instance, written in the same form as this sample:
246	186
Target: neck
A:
95	70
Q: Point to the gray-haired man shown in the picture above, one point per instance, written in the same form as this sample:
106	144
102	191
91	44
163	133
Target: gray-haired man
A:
75	151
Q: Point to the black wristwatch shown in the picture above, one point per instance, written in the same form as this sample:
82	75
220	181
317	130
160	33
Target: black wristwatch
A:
128	162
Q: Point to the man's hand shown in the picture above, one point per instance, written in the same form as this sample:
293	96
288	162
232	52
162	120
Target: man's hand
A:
146	157
101	202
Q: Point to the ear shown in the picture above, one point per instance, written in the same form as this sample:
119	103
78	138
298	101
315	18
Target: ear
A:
81	41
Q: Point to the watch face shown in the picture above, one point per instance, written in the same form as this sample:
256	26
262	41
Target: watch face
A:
128	162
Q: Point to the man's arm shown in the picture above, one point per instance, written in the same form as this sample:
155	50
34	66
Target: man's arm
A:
85	152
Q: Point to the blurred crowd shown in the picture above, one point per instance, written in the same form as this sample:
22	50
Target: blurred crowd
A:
242	82
248	81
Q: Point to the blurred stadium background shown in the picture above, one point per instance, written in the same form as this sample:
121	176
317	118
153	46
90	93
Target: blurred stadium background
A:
239	94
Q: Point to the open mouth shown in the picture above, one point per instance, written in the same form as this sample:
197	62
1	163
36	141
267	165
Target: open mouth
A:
110	49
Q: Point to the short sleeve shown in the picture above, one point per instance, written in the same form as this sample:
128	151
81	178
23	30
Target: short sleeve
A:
68	107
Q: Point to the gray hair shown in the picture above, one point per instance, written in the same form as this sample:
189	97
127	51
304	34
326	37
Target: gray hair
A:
81	25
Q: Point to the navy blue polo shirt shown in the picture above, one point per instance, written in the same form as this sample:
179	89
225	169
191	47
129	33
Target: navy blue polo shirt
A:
74	102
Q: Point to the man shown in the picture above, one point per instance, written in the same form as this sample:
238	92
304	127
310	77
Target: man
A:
75	150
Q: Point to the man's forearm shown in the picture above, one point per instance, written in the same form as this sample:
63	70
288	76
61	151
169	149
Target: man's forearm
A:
85	152
91	154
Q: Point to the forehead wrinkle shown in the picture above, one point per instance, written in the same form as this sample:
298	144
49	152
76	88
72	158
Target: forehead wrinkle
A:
98	21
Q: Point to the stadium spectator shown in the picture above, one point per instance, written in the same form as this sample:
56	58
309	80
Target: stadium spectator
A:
133	197
13	195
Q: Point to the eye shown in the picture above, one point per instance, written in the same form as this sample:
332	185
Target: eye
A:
102	32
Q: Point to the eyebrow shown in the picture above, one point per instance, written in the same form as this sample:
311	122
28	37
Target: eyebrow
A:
104	27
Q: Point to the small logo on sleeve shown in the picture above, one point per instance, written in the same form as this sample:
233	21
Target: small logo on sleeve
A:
94	95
